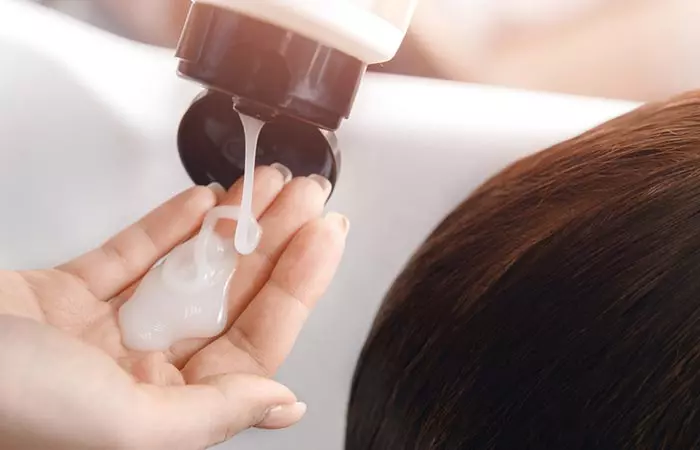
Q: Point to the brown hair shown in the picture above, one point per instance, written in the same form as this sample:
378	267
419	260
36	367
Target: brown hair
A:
557	307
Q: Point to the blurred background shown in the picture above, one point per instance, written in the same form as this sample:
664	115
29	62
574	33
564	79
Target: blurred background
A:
625	49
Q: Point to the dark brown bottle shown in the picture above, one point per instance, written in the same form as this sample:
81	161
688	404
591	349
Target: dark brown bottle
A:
302	89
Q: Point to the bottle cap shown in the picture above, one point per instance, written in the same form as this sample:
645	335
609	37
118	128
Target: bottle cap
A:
211	143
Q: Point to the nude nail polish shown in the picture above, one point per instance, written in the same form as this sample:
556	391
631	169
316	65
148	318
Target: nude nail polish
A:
284	170
217	188
283	415
323	182
340	220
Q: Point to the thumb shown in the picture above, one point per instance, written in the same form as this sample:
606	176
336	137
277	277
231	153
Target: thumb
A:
202	415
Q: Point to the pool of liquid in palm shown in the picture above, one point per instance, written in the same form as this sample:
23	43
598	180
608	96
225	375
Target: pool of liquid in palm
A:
185	295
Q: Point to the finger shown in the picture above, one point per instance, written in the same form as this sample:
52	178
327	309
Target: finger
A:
301	201
268	183
116	264
199	416
262	337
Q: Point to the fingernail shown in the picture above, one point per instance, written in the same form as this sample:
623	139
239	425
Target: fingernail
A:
284	170
323	181
217	189
283	416
340	220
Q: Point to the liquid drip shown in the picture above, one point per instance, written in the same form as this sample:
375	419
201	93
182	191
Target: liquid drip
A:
186	295
247	230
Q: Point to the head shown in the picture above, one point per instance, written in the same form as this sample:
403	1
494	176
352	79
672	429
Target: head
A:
557	307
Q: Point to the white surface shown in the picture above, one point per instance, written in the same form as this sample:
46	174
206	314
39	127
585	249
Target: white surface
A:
88	126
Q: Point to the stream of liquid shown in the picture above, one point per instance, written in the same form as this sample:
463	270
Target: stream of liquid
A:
247	230
186	296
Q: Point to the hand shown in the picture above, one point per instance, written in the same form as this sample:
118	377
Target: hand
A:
66	381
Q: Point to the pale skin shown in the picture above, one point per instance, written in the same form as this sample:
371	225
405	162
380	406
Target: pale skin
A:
66	380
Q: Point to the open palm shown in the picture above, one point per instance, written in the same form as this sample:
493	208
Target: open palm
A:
67	376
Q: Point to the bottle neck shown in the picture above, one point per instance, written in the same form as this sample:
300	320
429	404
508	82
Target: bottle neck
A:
266	69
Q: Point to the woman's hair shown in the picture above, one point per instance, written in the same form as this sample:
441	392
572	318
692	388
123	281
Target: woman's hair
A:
557	307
